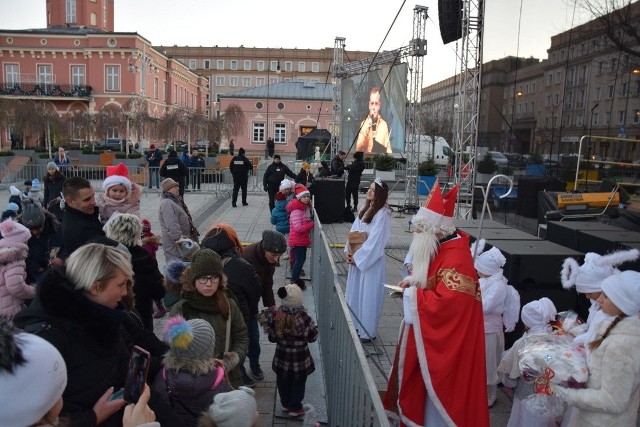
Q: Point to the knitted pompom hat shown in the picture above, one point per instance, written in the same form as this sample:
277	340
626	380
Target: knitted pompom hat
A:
32	214
118	174
13	207
29	389
237	408
204	263
14	232
588	277
35	185
190	339
291	295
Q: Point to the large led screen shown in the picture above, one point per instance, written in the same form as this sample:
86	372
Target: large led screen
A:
373	111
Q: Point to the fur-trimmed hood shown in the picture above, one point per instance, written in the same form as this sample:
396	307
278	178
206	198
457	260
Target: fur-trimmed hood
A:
12	251
193	366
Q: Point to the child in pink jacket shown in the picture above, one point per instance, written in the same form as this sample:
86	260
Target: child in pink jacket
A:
14	289
300	224
120	194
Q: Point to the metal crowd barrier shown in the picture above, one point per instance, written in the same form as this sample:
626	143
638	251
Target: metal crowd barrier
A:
351	392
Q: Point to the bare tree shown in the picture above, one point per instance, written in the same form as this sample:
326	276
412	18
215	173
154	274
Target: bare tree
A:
234	121
137	115
620	21
81	126
435	122
110	120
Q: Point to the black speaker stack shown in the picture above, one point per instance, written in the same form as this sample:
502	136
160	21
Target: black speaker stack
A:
450	19
329	200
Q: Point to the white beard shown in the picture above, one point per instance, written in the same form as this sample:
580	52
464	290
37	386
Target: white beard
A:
423	248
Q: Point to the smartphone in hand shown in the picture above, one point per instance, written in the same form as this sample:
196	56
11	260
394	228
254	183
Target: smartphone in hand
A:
136	374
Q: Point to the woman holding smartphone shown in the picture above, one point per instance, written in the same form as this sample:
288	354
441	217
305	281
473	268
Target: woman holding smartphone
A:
76	310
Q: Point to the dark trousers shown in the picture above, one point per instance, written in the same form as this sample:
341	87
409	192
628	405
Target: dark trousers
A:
238	183
253	353
352	190
272	198
291	392
186	179
300	253
196	179
154	170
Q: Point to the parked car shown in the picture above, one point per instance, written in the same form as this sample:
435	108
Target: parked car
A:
516	160
500	159
114	144
201	145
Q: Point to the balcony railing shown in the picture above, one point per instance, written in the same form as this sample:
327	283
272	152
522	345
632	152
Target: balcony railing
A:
45	89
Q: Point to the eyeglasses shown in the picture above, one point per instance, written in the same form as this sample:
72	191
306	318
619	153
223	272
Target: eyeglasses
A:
204	279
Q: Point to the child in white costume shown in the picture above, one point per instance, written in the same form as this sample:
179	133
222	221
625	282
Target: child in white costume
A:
536	317
612	394
500	308
587	278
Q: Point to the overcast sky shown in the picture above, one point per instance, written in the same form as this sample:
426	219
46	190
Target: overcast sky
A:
304	24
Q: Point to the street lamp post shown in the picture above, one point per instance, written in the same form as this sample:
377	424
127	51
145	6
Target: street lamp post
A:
277	70
586	173
141	63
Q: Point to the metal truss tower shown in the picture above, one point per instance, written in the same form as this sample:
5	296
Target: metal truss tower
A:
336	80
413	123
468	106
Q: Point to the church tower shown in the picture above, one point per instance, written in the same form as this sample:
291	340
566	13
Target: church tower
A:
90	14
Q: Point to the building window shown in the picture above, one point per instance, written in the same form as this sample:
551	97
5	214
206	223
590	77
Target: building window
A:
220	64
280	133
625	89
579	120
260	65
175	93
70	6
45	74
219	80
112	77
155	88
273	80
288	66
247	65
533	87
77	75
260	81
233	81
557	80
611	91
246	81
258	133
164	91
594	119
192	64
233	65
607	118
12	73
207	64
621	117
598	93
93	19
315	67
599	67
549	79
636	116
274	65
302	67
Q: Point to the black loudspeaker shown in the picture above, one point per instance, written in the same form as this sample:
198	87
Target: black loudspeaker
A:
450	19
328	199
635	265
566	233
528	187
605	241
533	268
493	235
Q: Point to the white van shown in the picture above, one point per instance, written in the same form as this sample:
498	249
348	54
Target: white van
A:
441	149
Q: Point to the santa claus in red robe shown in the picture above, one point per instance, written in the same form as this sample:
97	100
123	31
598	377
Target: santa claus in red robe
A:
439	374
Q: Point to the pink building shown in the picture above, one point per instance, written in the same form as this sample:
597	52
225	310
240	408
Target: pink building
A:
283	111
77	64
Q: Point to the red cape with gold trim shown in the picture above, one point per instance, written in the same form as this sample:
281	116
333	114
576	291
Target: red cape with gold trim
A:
443	353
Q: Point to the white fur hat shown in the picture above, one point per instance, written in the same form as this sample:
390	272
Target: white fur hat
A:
623	289
489	262
538	313
588	277
33	388
124	228
285	184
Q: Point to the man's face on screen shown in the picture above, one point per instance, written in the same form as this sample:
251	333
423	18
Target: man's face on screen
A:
374	105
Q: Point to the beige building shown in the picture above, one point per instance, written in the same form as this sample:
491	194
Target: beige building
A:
585	85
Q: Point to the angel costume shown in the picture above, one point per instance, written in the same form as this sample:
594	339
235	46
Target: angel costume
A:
365	282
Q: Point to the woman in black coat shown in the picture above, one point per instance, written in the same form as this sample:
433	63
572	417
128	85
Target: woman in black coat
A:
53	182
148	282
76	310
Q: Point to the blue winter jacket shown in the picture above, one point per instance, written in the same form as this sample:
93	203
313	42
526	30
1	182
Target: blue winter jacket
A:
280	217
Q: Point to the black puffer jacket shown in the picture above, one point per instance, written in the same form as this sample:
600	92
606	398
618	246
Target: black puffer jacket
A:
148	283
174	168
91	339
77	228
52	186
